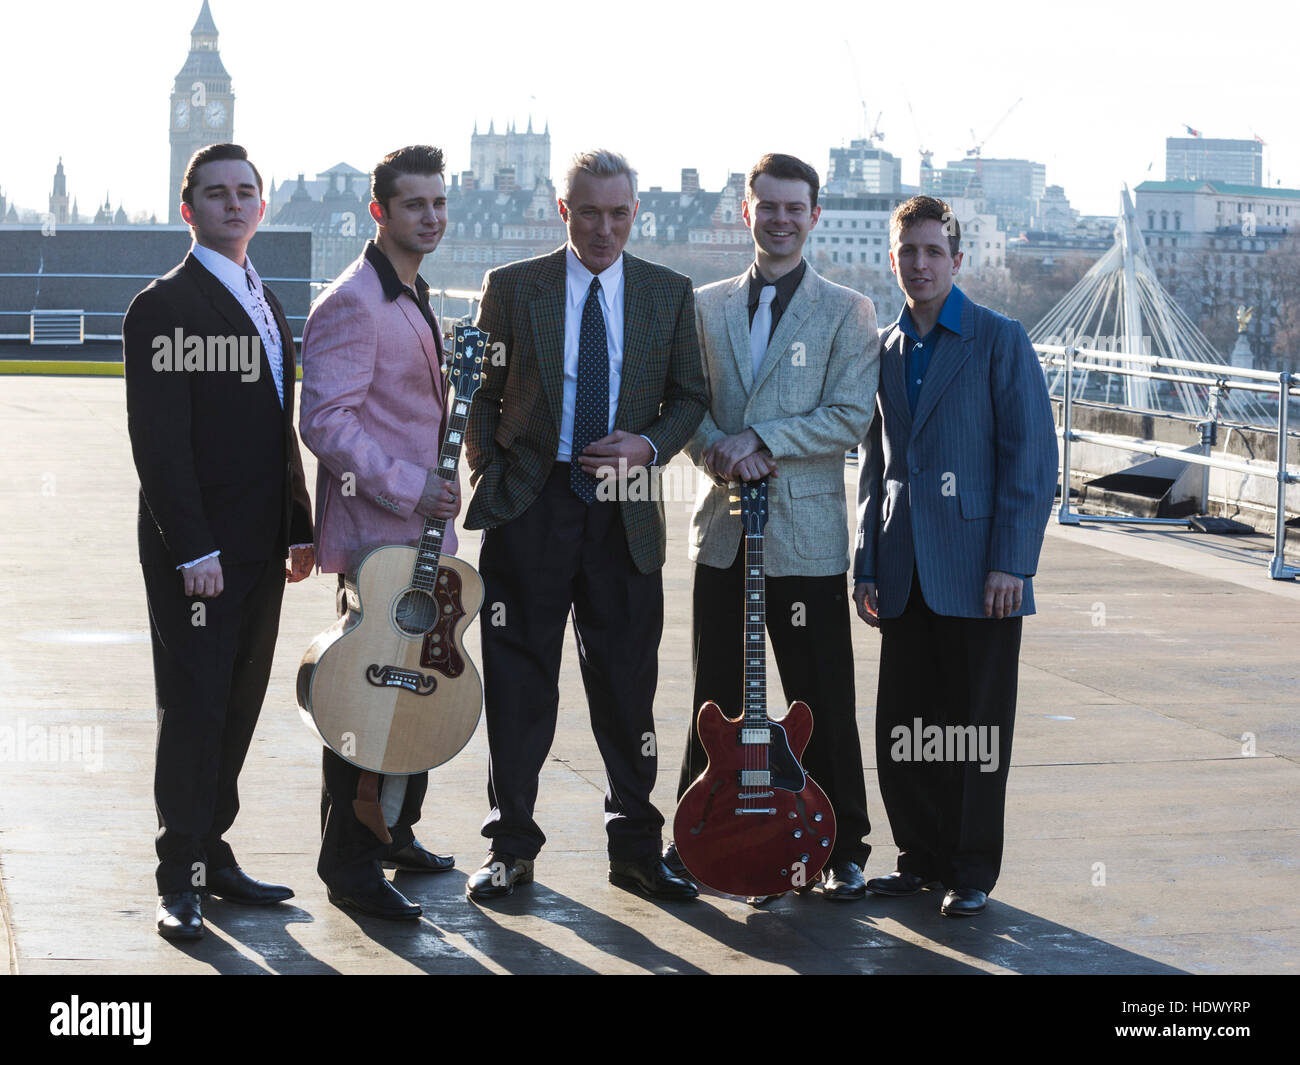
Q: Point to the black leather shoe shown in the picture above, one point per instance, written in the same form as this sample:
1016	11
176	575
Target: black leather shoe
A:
180	915
842	882
235	885
963	902
413	858
377	899
898	884
674	861
651	877
498	876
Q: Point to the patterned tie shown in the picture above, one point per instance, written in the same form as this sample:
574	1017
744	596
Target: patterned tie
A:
591	410
761	327
273	356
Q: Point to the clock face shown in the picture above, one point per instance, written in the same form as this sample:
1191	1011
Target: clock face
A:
182	114
216	113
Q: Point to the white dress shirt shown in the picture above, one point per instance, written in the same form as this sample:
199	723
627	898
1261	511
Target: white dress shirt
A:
577	283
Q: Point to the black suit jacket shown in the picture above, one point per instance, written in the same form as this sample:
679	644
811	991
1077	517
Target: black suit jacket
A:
217	455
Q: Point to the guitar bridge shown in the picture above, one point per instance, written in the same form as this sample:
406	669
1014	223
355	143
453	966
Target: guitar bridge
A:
754	794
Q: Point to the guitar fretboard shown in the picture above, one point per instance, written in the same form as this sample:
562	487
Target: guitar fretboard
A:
755	633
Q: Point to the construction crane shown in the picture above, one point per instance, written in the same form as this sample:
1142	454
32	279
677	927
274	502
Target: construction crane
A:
926	154
874	133
974	152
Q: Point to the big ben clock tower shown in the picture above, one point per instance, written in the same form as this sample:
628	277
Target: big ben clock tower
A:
202	106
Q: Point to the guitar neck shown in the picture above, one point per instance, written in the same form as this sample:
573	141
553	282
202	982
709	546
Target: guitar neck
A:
755	632
429	552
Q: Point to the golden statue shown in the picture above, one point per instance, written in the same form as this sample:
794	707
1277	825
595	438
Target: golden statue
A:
1244	315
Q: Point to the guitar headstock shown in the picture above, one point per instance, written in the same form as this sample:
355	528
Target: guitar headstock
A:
750	502
469	352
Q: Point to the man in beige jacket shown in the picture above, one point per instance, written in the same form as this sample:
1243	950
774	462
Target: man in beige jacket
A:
791	362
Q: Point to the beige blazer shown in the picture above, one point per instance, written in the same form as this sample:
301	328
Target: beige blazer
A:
811	401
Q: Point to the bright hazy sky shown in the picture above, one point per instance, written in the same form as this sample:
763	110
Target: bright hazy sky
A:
670	83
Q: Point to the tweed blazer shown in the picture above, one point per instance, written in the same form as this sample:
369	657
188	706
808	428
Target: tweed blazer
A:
373	395
513	435
965	485
811	401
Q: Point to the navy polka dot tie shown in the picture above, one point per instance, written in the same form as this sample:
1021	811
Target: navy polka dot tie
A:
591	411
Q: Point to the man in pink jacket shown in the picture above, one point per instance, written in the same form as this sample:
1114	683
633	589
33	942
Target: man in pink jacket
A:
373	413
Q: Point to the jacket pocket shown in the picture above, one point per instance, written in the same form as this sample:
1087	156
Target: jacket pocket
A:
819	516
976	504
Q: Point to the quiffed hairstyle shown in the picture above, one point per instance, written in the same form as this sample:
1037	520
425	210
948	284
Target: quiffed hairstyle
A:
925	209
213	153
598	163
422	159
776	165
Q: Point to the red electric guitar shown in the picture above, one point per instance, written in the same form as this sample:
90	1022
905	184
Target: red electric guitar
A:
754	823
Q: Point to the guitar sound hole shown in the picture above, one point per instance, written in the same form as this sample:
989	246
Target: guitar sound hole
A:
415	612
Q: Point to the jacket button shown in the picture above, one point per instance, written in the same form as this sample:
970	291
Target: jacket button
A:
916	469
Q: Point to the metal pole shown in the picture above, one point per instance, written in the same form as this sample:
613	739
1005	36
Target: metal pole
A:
1277	567
1209	437
1063	515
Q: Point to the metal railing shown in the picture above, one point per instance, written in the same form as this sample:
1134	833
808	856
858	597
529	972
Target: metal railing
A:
1215	376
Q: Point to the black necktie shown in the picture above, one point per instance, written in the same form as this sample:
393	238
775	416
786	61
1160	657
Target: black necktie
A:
591	409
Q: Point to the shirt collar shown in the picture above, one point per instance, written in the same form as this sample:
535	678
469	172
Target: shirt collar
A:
949	315
230	274
393	285
786	284
578	279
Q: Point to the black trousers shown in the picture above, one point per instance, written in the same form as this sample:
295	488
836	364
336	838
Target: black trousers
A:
945	712
565	556
808	623
349	852
212	661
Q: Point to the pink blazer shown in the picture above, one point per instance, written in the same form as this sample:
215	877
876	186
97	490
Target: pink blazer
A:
372	407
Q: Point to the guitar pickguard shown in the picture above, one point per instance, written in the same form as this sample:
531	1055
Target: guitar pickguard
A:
439	651
786	771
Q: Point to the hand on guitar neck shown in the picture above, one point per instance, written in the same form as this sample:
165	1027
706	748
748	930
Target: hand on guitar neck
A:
441	498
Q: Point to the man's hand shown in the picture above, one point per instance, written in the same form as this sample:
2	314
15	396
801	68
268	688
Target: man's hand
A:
722	458
204	580
864	595
606	451
1001	594
756	466
302	560
441	498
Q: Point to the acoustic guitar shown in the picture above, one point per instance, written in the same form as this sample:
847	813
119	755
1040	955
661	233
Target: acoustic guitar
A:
389	686
754	823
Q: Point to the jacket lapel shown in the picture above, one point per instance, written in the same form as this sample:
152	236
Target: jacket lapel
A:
547	313
893	386
951	352
638	328
415	320
801	305
736	310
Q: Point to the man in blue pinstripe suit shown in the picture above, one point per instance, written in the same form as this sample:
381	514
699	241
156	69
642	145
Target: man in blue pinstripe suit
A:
958	472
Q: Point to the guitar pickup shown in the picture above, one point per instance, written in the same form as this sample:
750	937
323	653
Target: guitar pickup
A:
755	778
755	735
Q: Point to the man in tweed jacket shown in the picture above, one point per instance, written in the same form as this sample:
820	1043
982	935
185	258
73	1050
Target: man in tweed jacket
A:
790	390
593	363
958	472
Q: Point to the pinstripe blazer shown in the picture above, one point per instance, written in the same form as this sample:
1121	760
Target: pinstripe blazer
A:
514	426
965	485
811	401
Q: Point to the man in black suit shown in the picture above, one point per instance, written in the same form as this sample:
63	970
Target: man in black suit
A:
209	393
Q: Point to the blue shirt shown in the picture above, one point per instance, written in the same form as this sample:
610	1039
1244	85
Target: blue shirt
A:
917	350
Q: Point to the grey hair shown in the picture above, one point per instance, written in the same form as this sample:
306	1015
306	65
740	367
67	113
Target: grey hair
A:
598	163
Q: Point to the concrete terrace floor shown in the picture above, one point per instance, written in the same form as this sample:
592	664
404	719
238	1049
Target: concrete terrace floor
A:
1140	837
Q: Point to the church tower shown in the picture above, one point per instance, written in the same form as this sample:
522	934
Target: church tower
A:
202	106
59	196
